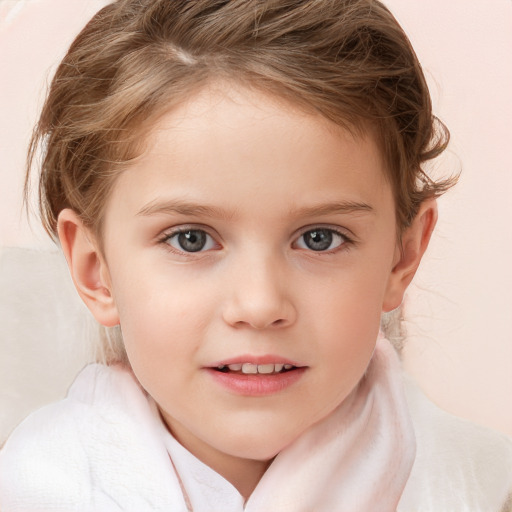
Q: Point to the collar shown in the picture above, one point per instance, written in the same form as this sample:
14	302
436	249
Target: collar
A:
359	456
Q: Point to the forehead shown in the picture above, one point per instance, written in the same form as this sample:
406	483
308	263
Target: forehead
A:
245	144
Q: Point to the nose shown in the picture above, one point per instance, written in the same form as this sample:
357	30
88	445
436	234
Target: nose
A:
259	296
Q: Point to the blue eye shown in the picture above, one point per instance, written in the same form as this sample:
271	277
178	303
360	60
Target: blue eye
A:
191	240
321	239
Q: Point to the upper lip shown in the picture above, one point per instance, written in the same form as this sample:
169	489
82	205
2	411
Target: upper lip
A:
253	359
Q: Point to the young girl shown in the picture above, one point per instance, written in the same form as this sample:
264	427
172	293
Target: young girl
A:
238	190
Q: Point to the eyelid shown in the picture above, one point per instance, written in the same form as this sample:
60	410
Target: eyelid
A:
180	228
344	232
348	237
183	228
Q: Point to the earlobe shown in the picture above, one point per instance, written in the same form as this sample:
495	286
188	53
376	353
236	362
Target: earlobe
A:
408	255
88	268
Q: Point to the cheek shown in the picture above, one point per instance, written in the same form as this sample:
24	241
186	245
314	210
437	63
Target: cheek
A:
165	314
347	315
353	296
348	330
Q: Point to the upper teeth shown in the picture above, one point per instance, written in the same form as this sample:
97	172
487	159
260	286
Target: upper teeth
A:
248	368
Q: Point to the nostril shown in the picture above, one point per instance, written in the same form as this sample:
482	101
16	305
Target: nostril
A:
259	312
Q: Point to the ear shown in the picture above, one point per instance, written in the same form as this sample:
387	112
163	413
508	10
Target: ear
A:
409	251
88	267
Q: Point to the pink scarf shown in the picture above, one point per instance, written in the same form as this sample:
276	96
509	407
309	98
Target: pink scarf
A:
357	459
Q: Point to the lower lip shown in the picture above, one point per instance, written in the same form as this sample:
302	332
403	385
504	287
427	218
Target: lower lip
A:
257	384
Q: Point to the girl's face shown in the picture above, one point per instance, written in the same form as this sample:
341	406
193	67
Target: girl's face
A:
249	237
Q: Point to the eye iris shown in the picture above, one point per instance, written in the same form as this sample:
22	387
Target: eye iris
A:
318	239
192	241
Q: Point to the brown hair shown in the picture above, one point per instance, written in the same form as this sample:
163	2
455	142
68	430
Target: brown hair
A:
348	60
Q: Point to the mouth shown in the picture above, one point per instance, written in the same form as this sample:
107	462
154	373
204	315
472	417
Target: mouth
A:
254	369
256	376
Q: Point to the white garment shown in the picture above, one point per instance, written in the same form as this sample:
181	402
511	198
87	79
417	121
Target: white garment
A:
104	449
357	459
459	466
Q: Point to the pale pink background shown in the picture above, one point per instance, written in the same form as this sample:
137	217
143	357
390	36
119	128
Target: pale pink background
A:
459	311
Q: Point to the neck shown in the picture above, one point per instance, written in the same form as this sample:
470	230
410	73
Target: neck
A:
244	474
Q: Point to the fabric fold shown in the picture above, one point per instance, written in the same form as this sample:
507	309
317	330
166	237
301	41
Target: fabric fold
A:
358	458
105	449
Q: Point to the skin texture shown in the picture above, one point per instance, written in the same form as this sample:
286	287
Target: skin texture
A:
254	174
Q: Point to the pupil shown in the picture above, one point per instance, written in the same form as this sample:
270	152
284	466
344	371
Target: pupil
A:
318	240
192	241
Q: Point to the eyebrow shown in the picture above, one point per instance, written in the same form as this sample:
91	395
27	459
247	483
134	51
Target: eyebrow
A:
340	207
187	208
181	207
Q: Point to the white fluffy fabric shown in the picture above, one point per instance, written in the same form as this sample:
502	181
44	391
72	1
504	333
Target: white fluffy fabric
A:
103	449
45	332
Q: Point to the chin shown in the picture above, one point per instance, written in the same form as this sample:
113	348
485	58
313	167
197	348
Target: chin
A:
257	445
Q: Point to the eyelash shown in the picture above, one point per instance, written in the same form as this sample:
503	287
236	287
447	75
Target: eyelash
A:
345	243
169	235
